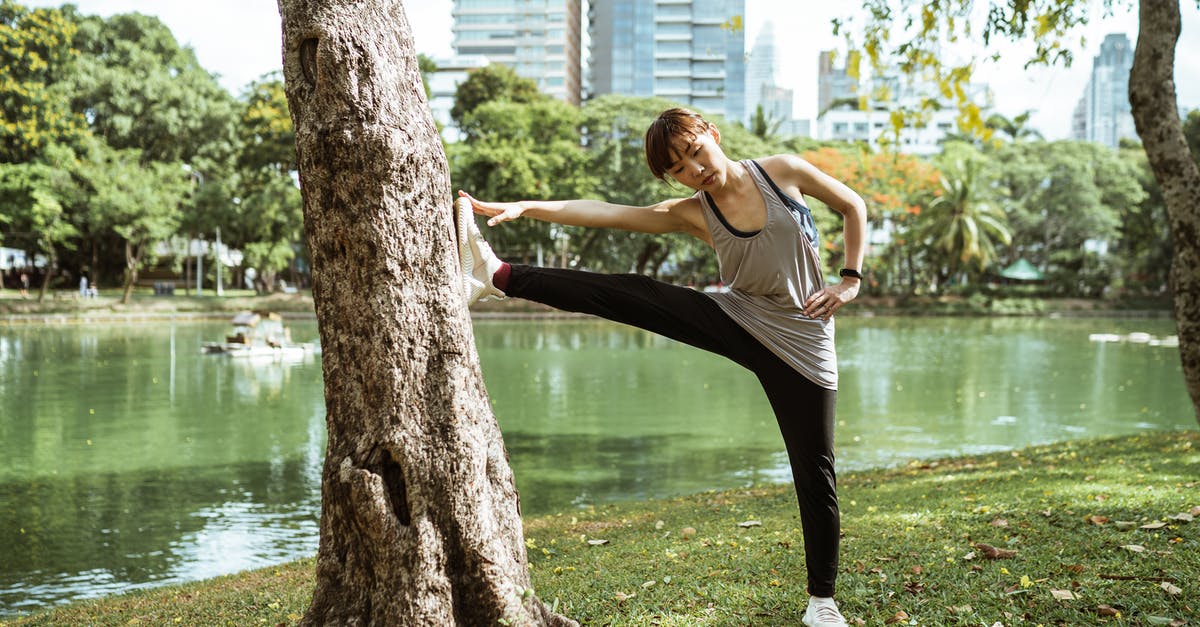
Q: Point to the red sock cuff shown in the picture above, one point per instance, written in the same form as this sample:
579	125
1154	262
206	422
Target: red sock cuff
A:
500	278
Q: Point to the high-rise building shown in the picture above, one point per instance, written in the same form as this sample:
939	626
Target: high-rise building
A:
1103	114
688	51
835	85
760	69
539	39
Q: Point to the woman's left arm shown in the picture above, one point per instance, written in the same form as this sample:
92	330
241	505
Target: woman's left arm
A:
811	181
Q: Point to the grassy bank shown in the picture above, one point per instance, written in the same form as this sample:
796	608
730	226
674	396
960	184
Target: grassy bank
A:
1099	533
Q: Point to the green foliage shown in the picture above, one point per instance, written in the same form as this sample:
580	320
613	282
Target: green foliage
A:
1064	194
517	151
1191	131
965	221
33	194
35	57
139	89
487	84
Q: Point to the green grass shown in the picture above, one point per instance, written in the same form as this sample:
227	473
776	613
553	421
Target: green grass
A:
908	551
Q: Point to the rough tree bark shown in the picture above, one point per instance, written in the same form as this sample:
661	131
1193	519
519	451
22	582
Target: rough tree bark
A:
420	521
1155	113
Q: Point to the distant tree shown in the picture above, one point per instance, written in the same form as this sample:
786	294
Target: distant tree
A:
923	29
35	56
965	221
764	126
1016	128
490	83
139	89
266	221
515	151
1063	195
1144	240
139	202
32	194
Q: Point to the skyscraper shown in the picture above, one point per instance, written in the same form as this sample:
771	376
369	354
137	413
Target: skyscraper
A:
539	39
835	85
760	71
1103	114
688	51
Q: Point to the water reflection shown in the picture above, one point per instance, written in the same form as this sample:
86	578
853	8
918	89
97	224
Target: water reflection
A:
128	459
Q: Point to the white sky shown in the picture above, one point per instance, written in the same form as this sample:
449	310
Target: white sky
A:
240	40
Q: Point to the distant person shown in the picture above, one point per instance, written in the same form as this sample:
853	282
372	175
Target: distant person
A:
83	286
24	285
774	315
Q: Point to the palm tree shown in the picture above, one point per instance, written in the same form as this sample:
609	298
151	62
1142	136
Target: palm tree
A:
1017	128
964	223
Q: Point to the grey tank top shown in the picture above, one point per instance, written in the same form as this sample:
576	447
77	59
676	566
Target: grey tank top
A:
769	274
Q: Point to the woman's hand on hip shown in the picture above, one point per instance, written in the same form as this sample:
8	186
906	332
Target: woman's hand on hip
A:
496	212
824	303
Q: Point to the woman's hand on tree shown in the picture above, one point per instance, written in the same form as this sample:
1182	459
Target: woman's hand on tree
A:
496	212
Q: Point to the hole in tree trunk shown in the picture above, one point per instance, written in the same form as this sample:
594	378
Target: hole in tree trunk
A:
308	60
397	490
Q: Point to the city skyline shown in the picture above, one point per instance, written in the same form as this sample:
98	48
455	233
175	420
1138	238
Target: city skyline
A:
802	31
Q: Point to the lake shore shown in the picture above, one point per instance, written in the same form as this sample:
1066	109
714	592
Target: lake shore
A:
68	308
1086	532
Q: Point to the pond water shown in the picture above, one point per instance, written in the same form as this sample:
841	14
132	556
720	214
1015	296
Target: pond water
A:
128	459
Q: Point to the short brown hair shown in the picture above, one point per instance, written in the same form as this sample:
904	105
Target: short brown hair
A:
669	125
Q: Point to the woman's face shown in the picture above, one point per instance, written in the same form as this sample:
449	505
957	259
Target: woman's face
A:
699	163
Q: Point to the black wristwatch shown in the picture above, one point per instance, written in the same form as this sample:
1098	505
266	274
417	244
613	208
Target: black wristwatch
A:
850	273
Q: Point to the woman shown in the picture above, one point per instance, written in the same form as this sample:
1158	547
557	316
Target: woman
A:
776	319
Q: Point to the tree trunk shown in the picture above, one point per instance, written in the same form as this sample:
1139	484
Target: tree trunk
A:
420	523
133	258
1156	114
51	264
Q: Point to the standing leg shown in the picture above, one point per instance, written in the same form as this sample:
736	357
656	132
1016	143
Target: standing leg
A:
805	412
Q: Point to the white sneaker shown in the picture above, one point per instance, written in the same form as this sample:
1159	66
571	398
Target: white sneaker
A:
478	261
823	612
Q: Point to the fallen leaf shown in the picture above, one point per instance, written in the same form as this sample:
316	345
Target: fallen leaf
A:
1195	511
969	556
750	523
1097	520
961	609
1136	548
917	570
597	542
1063	595
1165	620
1124	525
622	597
1154	525
1106	610
687	532
1186	518
994	553
914	587
1000	522
659	525
1170	588
899	617
647	584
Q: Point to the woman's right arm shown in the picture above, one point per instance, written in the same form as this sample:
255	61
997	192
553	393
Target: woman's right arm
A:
678	215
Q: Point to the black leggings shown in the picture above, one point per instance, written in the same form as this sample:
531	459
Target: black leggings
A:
803	409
